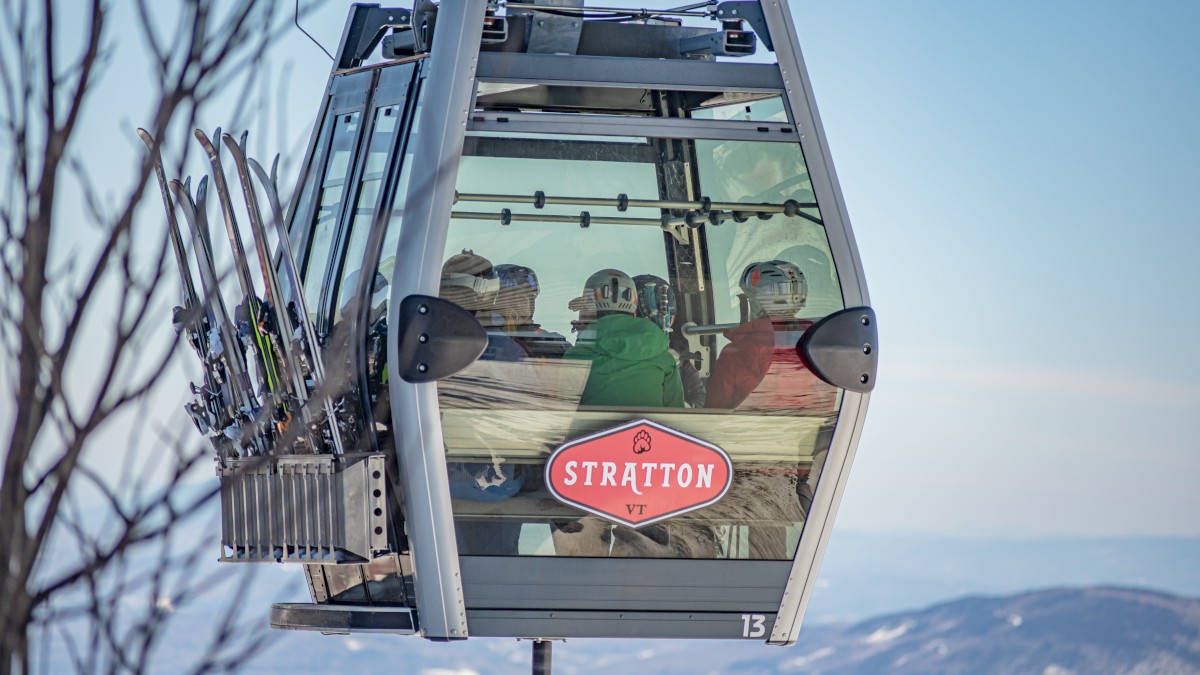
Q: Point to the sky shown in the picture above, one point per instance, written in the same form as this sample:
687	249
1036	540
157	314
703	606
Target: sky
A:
1020	179
1019	176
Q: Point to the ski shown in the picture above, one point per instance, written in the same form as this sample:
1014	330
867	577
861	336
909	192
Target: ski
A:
274	294
186	317
223	341
316	364
254	412
251	307
275	305
190	302
209	408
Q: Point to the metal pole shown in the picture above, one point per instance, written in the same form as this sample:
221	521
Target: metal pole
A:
624	202
544	218
640	13
692	329
541	657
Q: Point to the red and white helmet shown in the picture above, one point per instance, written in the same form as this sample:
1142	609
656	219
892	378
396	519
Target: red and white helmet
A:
775	288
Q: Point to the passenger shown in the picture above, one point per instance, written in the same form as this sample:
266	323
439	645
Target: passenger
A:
773	292
824	294
656	301
470	281
631	366
631	362
515	306
585	305
760	370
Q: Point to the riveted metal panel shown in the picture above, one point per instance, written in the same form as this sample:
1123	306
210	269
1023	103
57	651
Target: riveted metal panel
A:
688	625
494	582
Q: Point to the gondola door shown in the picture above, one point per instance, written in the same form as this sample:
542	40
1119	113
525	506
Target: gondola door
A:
338	223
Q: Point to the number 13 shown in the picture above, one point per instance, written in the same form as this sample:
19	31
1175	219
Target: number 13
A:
754	625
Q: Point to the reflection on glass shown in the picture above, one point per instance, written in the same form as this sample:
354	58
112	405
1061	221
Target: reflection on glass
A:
378	582
376	333
742	107
591	99
383	137
312	178
344	583
345	133
754	282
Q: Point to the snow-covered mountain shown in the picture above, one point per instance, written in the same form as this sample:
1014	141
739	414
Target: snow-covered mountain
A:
1093	631
863	575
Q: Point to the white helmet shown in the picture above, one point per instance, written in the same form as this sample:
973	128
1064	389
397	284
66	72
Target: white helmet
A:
775	288
469	280
610	291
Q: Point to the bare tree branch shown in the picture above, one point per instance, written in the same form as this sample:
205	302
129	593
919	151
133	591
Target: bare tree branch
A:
74	544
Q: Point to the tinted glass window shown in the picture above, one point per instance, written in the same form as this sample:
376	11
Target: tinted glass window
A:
376	347
383	137
587	261
746	108
337	172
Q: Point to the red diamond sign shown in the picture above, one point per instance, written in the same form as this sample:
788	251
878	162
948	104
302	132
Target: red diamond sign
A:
638	473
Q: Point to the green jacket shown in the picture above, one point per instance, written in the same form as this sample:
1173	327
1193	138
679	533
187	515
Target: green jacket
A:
631	364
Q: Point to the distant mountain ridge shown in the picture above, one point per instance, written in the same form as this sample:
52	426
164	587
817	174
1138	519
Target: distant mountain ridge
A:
863	575
1050	632
866	575
1077	631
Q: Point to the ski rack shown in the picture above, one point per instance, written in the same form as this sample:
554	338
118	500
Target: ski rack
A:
289	491
327	509
240	419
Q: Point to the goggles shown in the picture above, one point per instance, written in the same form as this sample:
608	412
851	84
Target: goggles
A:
522	277
792	292
613	291
658	304
479	285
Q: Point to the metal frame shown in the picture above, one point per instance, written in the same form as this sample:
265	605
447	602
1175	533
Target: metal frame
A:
830	487
609	125
342	620
346	95
365	27
407	99
615	71
303	508
387	88
833	476
351	188
547	148
447	95
617	624
654	584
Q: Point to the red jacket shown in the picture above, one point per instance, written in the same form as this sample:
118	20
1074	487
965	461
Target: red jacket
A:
759	370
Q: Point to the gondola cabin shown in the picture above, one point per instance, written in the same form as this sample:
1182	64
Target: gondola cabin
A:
594	339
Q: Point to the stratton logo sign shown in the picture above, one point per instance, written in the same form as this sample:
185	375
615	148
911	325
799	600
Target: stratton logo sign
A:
638	473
